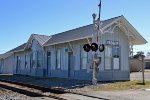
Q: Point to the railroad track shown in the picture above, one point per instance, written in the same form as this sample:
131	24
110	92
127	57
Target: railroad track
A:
32	90
39	91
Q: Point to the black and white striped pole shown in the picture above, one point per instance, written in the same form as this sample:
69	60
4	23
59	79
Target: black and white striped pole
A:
95	46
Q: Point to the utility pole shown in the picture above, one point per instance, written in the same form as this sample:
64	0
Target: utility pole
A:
143	69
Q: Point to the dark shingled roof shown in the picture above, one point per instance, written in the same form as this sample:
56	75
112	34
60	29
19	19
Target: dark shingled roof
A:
19	48
41	38
5	55
9	53
78	33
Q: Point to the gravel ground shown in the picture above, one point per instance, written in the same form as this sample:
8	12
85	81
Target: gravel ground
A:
52	82
10	95
76	86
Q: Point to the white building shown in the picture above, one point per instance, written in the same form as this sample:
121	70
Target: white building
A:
62	55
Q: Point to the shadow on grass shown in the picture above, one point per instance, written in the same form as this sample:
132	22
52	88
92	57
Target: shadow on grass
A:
138	83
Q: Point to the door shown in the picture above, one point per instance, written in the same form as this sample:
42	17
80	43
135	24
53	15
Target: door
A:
48	63
70	65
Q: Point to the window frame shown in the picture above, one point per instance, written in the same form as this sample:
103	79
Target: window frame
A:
112	57
34	59
25	62
18	61
31	60
118	56
82	57
49	55
39	59
58	67
111	67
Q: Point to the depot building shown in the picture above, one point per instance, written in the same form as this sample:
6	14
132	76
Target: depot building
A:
62	55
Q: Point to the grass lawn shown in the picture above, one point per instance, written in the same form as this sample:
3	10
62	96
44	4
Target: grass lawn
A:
120	86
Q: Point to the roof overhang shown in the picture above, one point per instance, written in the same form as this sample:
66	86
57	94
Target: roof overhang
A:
28	42
34	37
69	41
6	55
139	39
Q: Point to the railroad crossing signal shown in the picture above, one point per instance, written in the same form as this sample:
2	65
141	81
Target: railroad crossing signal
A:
87	47
101	47
94	47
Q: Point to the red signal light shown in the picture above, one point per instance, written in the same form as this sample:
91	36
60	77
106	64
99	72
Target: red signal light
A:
94	47
87	47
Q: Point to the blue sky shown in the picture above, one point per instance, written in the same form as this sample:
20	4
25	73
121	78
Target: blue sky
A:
21	18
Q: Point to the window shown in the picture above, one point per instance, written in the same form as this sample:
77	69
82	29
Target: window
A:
116	57
25	61
31	60
112	57
48	59
18	62
58	59
39	59
84	58
108	57
34	55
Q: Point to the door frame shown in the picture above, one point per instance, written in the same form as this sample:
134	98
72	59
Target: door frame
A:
47	64
70	64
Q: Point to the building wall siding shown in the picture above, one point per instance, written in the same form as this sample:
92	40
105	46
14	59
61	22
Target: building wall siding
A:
86	74
77	57
22	69
7	65
38	71
30	70
119	36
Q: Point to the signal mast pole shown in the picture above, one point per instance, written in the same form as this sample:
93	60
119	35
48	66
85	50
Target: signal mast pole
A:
94	78
95	45
95	39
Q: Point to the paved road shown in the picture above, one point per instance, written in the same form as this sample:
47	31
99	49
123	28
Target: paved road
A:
123	95
79	97
138	75
138	94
